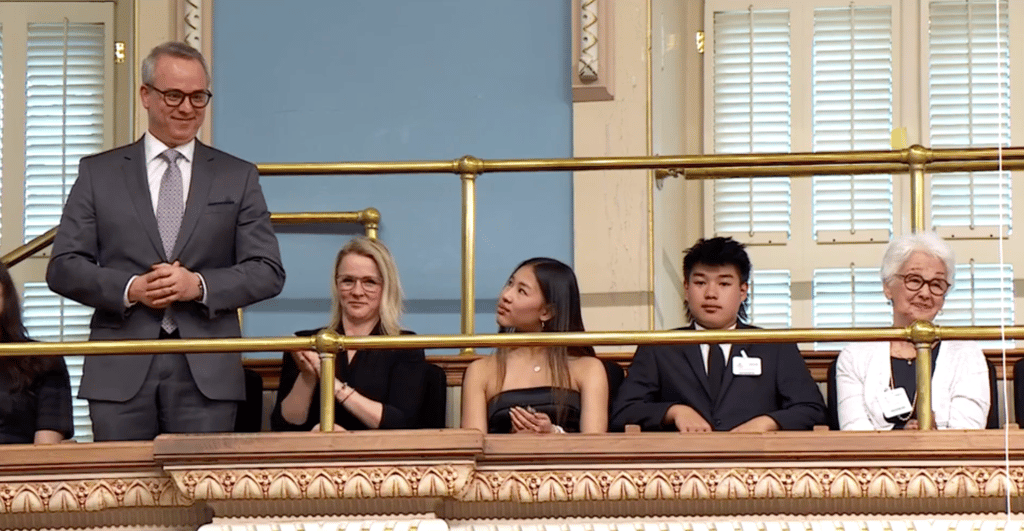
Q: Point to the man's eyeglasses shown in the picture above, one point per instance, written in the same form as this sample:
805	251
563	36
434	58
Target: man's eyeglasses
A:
915	282
370	285
174	97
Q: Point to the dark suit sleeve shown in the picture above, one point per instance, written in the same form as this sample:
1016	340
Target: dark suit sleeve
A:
74	270
406	391
639	399
257	273
800	401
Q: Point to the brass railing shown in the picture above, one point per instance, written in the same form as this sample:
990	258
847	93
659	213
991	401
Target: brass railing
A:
328	343
915	160
368	217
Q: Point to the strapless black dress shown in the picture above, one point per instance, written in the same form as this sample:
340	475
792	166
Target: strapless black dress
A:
542	399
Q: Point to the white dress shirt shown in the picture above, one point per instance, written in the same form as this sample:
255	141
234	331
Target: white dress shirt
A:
705	348
155	168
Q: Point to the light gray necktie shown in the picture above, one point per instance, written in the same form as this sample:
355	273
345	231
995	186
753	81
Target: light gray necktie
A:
170	209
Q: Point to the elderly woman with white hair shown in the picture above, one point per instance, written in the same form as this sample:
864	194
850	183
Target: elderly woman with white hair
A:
876	382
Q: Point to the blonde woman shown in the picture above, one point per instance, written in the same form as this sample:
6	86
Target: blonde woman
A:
374	389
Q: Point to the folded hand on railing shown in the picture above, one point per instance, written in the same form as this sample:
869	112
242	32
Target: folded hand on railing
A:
686	419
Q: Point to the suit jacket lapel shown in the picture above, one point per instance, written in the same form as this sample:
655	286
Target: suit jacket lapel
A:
734	351
198	193
695	358
137	183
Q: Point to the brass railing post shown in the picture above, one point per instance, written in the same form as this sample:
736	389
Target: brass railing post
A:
328	344
370	218
469	167
923	334
917	156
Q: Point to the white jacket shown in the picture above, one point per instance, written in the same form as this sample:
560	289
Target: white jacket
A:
960	392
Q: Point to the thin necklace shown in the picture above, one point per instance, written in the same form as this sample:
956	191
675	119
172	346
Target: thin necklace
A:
909	361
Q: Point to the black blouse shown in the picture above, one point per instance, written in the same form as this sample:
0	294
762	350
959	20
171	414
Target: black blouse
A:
45	405
904	374
541	399
395	378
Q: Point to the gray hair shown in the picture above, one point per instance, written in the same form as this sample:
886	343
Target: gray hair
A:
173	49
902	247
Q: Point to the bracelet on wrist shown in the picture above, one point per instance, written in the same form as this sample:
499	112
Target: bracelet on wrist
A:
345	389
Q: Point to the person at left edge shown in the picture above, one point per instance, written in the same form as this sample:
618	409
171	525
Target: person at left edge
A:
35	391
114	252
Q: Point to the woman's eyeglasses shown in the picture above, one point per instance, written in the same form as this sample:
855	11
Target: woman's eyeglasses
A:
915	282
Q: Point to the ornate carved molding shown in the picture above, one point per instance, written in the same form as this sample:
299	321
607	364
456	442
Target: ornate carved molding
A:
465	471
743	483
63	496
593	50
193	19
329	482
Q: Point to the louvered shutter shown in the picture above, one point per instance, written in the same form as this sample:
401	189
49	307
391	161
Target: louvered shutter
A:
752	115
969	92
852	110
64	114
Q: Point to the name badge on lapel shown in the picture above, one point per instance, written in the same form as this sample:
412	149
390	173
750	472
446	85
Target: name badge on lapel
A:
895	403
743	365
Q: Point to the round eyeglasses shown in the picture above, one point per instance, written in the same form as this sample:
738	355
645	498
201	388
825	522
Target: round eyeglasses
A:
370	284
915	282
175	97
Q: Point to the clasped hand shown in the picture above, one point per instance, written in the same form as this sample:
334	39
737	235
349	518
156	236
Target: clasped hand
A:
308	362
163	285
524	421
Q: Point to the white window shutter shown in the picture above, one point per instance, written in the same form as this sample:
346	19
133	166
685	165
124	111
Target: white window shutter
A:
752	115
849	298
969	91
852	110
982	295
49	317
65	84
64	90
770	300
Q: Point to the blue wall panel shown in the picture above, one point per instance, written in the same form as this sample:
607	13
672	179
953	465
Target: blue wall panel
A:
363	80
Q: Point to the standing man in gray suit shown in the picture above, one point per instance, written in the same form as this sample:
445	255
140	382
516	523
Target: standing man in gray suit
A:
165	238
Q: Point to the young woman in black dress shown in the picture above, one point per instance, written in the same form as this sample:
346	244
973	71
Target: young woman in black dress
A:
537	389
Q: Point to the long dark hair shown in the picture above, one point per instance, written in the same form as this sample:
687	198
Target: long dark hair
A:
561	292
20	370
